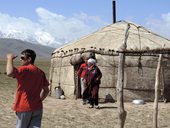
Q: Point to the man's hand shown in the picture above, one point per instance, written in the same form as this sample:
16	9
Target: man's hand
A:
9	65
11	56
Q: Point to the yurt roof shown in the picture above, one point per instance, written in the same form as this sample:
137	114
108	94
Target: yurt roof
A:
113	38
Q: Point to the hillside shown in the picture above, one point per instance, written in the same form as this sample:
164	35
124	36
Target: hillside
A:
16	46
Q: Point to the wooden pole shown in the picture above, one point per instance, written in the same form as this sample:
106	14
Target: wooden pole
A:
121	112
157	81
120	82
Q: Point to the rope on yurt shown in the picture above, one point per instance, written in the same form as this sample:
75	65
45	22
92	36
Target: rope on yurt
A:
140	69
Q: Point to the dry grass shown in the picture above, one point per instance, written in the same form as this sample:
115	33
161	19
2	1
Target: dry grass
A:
72	114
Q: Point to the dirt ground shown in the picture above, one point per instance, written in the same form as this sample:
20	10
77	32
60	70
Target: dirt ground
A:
70	113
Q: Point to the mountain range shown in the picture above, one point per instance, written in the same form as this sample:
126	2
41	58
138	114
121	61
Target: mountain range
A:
41	37
16	46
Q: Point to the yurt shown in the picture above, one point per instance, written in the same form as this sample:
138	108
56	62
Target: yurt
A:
105	45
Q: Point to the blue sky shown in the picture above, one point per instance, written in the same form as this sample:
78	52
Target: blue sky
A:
58	22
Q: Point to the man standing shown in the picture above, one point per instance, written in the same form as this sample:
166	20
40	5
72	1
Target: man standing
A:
32	89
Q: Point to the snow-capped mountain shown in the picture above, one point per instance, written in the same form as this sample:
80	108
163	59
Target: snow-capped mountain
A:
39	37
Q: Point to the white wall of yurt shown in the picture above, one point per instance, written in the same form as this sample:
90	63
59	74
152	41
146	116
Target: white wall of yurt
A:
62	74
139	83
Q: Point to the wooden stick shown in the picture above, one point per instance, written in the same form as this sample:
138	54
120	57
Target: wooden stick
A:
157	81
120	82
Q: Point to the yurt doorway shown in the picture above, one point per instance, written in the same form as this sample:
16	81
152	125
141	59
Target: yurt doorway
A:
77	61
77	81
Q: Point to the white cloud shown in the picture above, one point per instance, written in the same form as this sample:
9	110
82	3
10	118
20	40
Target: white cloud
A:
55	29
44	38
50	28
66	28
160	26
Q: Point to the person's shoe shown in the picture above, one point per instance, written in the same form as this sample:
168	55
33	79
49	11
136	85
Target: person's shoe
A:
84	102
91	106
97	107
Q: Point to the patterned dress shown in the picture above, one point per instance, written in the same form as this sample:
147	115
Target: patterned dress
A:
92	82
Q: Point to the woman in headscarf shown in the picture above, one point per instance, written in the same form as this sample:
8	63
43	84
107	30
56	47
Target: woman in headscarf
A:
92	81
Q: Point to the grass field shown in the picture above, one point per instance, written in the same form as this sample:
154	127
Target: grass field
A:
7	92
8	87
9	84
